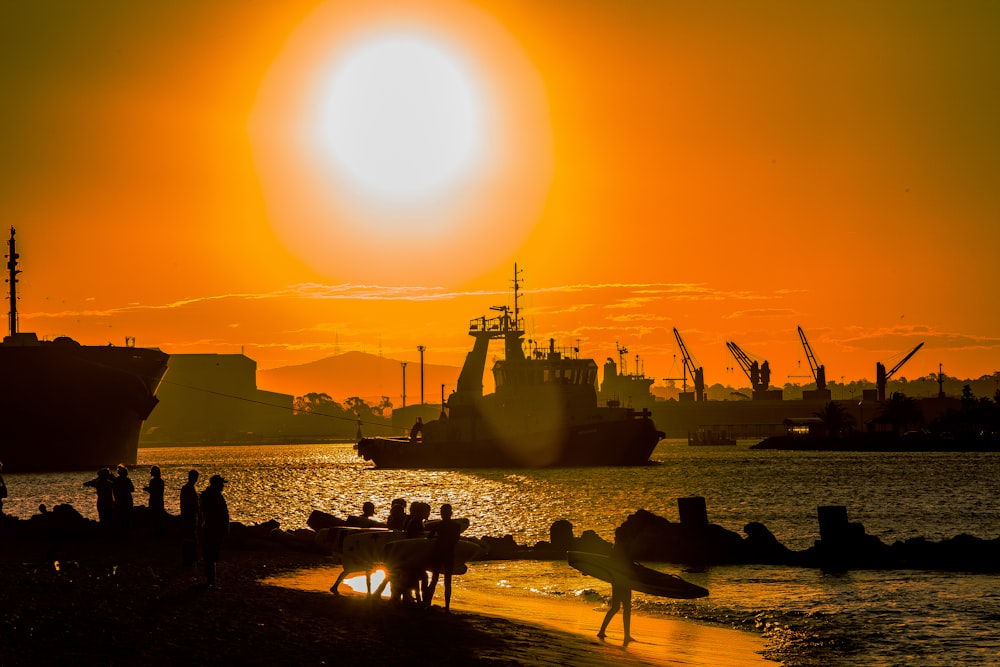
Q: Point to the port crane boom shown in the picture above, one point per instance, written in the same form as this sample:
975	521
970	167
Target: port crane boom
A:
818	370
759	374
882	376
691	367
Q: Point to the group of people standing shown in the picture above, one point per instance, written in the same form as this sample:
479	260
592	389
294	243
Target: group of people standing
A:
204	516
413	585
114	499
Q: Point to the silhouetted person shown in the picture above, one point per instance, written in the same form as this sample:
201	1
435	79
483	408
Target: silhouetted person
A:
367	518
123	489
417	430
446	534
105	497
214	526
397	515
413	580
3	488
621	597
155	488
363	521
406	583
190	513
415	521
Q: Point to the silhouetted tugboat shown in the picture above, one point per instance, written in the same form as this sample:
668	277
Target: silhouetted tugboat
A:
544	413
67	406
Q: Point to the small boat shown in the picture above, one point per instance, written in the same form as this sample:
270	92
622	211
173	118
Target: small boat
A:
543	413
67	406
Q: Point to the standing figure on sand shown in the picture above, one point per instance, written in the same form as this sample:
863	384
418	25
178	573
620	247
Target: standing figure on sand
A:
446	534
123	489
156	488
104	487
190	520
214	527
409	582
621	596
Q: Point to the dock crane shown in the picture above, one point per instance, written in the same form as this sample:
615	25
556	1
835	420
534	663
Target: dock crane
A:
691	367
759	374
818	371
882	377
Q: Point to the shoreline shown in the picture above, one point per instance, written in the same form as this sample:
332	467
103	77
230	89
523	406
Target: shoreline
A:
92	601
671	642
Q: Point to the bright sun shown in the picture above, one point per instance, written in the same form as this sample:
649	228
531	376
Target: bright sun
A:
402	143
402	118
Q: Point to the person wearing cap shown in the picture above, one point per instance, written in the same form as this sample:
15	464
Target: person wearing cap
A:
214	526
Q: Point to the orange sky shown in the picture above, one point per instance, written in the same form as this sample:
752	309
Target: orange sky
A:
731	169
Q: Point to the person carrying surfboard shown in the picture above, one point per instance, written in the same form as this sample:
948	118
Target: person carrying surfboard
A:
446	533
621	595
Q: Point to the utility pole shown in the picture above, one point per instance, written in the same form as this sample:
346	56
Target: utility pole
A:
420	349
403	364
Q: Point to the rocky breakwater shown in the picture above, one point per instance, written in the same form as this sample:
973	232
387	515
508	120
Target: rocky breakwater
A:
843	544
692	541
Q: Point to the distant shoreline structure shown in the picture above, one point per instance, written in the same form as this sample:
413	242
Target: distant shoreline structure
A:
226	387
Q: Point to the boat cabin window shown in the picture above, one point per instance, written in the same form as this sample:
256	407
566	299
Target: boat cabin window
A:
532	372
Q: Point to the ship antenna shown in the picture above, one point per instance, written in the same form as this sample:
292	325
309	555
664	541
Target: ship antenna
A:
12	269
516	288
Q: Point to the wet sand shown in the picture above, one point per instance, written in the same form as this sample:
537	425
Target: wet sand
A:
658	641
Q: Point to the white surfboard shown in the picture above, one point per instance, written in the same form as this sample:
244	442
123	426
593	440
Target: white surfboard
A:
364	551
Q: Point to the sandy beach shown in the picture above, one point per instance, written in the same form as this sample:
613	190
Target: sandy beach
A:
658	641
105	602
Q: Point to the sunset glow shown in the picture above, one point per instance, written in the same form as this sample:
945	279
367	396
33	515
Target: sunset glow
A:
384	138
402	119
294	180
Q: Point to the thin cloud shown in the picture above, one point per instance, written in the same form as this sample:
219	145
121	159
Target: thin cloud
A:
903	338
759	312
637	317
632	302
643	294
309	291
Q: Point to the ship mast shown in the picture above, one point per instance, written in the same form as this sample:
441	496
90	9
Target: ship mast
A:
512	331
12	270
517	286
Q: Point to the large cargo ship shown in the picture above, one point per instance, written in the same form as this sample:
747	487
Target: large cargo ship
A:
543	413
67	406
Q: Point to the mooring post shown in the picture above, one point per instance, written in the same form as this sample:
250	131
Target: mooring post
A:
833	524
692	511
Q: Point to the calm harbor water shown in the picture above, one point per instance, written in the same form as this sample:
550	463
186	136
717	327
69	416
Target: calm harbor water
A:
807	617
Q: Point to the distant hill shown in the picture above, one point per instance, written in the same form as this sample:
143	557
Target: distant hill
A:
361	374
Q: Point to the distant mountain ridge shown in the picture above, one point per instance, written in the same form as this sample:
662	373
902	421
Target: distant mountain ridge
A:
367	376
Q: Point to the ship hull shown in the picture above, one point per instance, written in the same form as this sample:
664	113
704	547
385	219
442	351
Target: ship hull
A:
67	407
625	442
